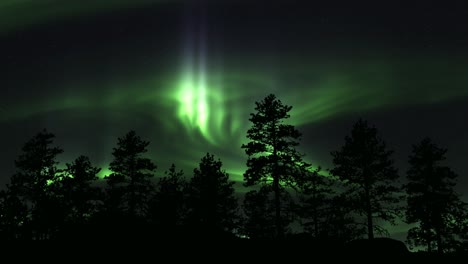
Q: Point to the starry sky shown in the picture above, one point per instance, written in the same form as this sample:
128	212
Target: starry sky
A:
185	75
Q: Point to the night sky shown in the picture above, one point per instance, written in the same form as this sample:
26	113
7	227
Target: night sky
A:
186	75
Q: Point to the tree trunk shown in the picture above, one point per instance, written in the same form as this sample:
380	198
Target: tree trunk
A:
439	242
276	187
279	227
132	199
427	236
132	203
316	231
370	225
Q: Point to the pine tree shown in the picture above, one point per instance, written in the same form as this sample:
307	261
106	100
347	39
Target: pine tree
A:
213	207
13	216
340	223
32	185
432	202
365	166
129	184
315	196
79	191
272	156
168	204
259	220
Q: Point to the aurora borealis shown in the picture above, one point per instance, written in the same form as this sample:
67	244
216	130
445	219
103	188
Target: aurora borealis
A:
185	76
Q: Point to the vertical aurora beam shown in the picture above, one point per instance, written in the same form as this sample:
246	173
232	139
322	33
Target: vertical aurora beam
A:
200	101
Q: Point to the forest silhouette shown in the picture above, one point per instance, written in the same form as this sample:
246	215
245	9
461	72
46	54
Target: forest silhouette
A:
338	211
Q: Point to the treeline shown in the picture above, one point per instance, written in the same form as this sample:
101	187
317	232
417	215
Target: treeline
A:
350	201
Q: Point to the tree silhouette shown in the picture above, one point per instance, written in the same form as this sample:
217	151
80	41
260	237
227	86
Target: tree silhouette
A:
432	202
80	195
365	166
168	205
272	157
212	204
324	212
32	185
259	212
315	195
130	181
13	216
339	223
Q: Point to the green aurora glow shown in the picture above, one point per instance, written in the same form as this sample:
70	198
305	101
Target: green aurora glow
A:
186	79
205	98
214	108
